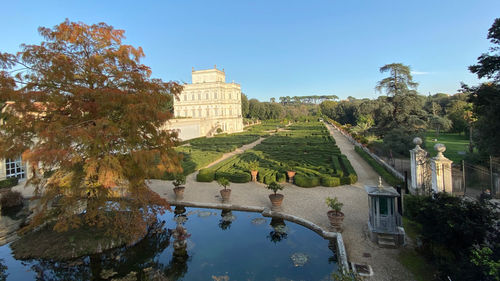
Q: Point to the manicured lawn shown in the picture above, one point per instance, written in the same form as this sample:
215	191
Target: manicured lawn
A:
454	143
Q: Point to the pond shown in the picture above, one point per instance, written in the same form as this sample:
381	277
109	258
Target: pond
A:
197	244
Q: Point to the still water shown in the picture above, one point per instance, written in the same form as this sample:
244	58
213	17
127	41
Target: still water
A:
196	244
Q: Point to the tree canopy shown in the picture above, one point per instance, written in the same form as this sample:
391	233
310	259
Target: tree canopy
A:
486	97
399	81
82	106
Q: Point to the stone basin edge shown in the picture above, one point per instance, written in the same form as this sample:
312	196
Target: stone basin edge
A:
266	212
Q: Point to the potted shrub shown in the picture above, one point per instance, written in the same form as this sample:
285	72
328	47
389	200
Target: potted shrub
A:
276	198
225	193
253	166
179	181
290	173
335	215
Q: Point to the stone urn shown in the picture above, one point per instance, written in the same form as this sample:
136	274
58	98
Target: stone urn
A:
276	199
290	174
336	218
254	174
179	191
225	194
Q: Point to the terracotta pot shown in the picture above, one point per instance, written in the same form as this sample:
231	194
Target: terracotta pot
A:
276	199
225	193
290	174
179	191
335	218
254	175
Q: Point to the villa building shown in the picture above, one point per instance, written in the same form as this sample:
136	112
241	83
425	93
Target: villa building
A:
208	104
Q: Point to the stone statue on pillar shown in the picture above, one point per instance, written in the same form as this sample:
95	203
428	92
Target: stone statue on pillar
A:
441	171
418	163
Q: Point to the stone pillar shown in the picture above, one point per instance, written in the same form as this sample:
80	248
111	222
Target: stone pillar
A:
417	164
441	171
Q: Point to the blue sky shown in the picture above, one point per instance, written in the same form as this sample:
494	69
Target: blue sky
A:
279	48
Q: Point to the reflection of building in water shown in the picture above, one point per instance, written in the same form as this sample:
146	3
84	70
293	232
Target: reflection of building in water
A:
209	103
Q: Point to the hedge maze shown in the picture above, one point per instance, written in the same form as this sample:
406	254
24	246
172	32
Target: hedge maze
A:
306	148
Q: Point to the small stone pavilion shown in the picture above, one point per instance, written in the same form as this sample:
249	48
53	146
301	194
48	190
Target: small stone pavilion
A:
384	224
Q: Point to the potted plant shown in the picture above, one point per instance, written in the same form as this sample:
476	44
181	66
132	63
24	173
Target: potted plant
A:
179	181
225	193
290	173
253	166
276	199
335	215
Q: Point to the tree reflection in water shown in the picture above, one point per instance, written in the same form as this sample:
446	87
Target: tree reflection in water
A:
137	262
3	271
279	231
226	220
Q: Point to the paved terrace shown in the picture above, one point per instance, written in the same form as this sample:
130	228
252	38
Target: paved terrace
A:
309	204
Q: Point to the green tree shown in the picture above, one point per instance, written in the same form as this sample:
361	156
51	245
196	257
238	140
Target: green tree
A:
439	123
489	63
85	107
486	97
399	82
244	106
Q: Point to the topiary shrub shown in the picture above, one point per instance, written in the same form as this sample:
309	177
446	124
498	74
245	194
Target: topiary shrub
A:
330	181
11	199
205	175
9	182
306	181
281	177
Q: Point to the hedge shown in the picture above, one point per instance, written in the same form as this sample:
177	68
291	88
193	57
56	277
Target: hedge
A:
205	175
9	182
234	176
306	181
330	181
386	175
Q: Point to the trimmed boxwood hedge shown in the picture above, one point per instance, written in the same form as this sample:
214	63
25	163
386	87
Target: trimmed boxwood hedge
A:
330	181
9	182
234	176
306	181
205	175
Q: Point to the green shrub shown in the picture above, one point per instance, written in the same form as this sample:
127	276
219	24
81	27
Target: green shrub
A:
306	181
330	181
281	177
9	182
205	175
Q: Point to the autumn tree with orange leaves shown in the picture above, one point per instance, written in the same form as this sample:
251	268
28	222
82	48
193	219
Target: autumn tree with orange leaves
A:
86	116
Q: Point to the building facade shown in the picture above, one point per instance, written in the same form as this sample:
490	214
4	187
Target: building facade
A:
207	104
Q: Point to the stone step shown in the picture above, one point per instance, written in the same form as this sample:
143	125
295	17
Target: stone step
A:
388	244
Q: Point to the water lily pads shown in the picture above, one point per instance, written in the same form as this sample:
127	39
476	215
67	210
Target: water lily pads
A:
258	221
299	259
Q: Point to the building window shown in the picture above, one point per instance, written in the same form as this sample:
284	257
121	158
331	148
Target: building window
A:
215	95
208	112
216	112
230	112
199	96
207	96
194	113
185	97
192	97
14	168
